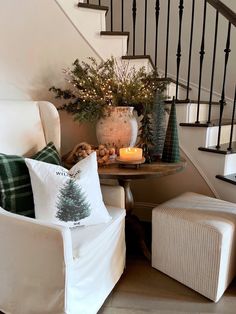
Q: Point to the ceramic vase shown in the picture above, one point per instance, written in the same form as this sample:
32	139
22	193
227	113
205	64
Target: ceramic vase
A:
119	128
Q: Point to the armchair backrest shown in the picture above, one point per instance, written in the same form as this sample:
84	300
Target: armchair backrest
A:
27	126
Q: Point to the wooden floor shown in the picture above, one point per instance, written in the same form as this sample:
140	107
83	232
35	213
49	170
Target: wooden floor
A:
143	289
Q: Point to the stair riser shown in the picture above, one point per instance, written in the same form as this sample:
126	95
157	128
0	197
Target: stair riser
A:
115	46
211	163
90	23
106	46
225	135
171	91
218	163
138	64
230	164
192	138
81	16
208	136
187	112
203	112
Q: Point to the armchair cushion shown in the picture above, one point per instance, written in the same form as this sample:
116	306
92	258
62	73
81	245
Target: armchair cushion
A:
87	240
68	197
15	187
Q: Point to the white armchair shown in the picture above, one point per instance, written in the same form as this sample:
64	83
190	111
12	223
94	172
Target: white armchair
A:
45	268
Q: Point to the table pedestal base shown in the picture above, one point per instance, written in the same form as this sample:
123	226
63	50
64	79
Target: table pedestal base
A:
133	224
135	230
125	176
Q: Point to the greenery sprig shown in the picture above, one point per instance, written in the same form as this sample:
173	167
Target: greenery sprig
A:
93	87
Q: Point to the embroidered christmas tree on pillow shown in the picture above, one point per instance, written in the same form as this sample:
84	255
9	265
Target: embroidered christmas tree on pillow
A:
72	204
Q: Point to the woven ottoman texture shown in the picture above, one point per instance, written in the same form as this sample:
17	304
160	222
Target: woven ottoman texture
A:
194	242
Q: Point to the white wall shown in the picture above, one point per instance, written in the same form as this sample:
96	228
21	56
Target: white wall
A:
162	189
37	42
230	3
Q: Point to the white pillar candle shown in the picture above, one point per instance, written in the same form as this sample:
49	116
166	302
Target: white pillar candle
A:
131	154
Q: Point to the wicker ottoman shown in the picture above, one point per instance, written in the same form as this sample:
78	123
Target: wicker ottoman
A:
193	241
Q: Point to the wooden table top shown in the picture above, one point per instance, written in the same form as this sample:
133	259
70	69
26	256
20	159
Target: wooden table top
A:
153	170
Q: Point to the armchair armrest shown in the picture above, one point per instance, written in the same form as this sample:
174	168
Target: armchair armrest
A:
113	195
34	254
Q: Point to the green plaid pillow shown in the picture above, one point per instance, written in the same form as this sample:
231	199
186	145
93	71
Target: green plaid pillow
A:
15	187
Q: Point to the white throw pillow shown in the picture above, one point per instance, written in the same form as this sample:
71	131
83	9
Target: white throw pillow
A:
68	197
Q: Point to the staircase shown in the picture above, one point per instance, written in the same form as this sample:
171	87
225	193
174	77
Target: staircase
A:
205	98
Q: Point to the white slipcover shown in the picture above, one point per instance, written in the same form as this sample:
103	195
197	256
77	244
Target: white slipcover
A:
194	242
45	268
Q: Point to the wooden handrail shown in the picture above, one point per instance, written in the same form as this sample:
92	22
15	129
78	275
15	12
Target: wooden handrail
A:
229	14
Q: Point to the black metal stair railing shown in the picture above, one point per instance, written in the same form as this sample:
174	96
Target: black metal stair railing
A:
145	29
178	54
157	13
202	53
122	15
134	13
151	10
232	123
213	67
222	99
167	37
190	49
111	14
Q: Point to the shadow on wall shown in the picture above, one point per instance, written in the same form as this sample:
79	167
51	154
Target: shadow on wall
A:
162	189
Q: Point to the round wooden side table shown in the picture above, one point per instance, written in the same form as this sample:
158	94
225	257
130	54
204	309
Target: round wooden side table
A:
125	176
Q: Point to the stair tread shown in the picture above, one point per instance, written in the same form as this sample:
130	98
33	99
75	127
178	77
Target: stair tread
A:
230	178
93	6
187	101
221	150
108	33
204	124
